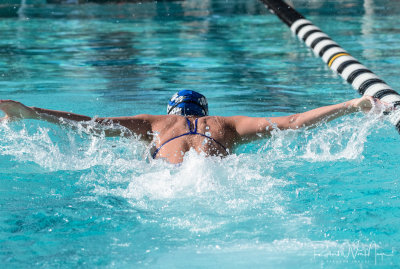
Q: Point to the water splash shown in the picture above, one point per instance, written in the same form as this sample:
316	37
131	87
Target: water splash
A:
54	148
235	185
246	203
342	140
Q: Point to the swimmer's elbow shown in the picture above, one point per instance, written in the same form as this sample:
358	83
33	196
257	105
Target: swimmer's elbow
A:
294	122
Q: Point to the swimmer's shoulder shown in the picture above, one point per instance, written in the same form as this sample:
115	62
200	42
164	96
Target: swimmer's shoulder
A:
154	118
169	119
166	121
222	121
228	120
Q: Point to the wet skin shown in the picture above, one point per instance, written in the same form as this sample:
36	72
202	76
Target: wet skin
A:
157	129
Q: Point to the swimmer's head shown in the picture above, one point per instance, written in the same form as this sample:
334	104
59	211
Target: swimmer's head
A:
188	103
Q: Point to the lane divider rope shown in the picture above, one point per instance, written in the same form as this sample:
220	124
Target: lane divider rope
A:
340	61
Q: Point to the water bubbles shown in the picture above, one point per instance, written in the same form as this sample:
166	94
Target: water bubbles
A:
394	117
265	194
58	148
344	140
257	179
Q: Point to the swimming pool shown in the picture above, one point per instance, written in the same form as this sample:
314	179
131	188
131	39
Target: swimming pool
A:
327	197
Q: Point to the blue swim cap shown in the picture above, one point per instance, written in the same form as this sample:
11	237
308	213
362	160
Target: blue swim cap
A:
188	103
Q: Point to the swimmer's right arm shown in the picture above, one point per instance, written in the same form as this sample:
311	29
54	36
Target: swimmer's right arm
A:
139	125
15	111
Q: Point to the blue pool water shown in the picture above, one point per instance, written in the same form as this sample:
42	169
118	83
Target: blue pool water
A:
323	198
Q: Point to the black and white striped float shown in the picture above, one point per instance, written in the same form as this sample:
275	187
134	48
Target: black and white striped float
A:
360	77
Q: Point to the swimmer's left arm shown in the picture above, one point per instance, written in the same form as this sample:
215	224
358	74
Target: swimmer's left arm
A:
251	128
325	114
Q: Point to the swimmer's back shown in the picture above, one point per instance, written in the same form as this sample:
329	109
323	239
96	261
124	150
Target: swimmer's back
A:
215	137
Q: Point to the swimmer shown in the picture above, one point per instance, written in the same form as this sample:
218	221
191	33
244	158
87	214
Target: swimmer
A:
187	124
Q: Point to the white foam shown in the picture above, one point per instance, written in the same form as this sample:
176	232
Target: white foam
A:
213	186
345	140
54	148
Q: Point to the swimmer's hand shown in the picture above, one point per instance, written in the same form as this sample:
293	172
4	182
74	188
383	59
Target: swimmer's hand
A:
15	110
368	103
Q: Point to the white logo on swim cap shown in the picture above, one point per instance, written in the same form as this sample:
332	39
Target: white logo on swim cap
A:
176	111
